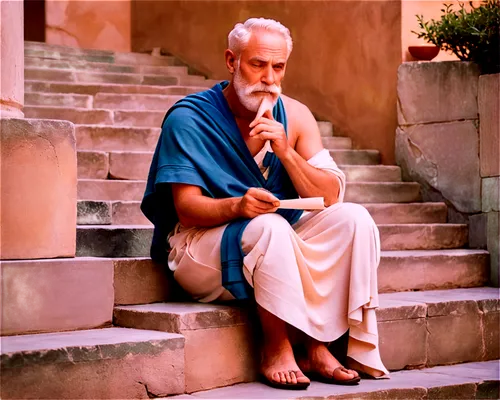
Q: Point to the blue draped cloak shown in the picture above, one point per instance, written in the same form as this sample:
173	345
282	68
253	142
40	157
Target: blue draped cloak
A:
200	144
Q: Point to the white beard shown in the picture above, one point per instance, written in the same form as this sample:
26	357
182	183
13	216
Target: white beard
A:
246	93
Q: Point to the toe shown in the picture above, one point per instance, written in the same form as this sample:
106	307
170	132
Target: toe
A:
301	378
343	374
353	372
282	377
293	377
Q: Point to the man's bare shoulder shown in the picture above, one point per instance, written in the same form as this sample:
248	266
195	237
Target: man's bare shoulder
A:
300	118
294	108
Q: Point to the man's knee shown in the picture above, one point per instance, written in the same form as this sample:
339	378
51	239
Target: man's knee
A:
270	223
265	228
353	215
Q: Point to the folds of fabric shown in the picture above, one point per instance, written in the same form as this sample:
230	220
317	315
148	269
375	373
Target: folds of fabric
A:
319	275
200	144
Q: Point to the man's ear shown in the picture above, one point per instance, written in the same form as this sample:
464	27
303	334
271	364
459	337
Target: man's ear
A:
230	61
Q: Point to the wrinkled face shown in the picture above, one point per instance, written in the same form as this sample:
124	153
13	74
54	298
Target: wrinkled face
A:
260	69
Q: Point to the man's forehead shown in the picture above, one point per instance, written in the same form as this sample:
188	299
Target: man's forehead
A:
264	45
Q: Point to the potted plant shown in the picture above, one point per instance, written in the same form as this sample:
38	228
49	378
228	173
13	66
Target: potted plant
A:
471	35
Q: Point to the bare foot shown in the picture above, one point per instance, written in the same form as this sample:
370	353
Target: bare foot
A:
279	365
321	361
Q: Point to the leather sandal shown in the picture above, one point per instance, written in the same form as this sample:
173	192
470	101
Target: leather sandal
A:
286	386
315	376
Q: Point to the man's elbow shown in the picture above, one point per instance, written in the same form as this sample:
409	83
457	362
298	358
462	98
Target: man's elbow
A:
333	194
185	220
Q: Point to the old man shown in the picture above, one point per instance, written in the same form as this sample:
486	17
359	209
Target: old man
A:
225	160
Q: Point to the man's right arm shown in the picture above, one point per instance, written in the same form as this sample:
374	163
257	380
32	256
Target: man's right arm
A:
195	209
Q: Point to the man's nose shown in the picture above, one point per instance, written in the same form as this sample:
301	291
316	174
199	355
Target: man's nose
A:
268	76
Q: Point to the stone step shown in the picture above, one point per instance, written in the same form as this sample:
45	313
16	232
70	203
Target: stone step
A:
135	102
416	329
75	115
476	380
336	142
135	240
325	128
141	281
91	212
356	157
409	213
128	213
145	59
115	138
94	88
382	192
58	100
102	189
112	363
43	51
372	173
64	294
116	118
108	189
423	236
32	45
113	240
92	164
106	112
103	57
135	164
33	49
65	75
82	65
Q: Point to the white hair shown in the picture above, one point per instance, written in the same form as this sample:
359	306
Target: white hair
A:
240	35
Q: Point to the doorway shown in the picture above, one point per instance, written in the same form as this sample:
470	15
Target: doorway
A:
34	20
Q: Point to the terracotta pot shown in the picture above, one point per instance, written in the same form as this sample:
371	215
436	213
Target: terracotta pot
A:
424	53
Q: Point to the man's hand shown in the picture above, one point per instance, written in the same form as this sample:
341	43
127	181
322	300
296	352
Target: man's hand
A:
255	202
265	127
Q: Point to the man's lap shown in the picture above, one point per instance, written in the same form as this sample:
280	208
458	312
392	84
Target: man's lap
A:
195	256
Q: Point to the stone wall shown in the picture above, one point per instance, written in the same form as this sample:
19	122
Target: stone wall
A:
103	25
343	65
448	140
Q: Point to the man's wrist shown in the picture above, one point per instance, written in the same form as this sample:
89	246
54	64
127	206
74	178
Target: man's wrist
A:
287	156
235	207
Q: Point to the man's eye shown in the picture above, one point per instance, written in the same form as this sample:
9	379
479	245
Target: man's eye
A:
278	67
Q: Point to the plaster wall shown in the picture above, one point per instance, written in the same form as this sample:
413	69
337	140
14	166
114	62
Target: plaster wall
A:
343	66
103	25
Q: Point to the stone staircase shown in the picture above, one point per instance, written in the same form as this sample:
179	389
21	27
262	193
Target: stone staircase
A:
111	324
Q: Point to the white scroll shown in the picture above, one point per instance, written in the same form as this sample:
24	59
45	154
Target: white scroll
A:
308	203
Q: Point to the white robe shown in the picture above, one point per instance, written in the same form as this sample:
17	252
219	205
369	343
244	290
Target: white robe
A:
319	275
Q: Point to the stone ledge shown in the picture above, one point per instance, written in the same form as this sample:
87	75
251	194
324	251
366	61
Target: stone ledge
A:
484	296
444	158
180	317
491	194
140	281
466	381
94	88
84	346
64	294
39	177
112	363
421	100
